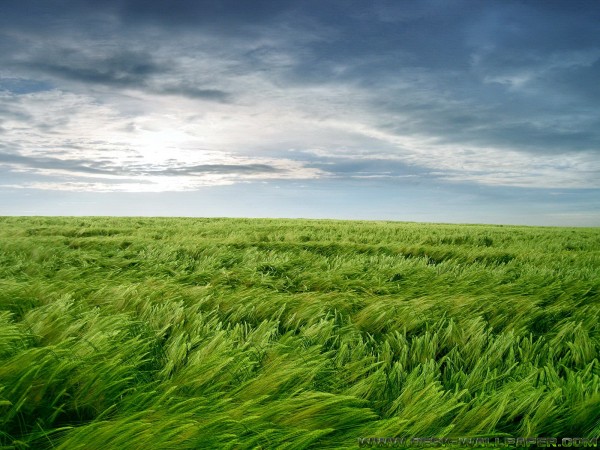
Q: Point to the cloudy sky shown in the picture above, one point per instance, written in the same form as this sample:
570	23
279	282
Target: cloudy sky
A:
425	110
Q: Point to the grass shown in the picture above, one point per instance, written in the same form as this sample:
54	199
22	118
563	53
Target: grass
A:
138	333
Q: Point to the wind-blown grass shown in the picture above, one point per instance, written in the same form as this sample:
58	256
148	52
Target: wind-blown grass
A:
231	333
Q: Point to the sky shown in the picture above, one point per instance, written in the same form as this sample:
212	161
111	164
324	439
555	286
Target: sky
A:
457	111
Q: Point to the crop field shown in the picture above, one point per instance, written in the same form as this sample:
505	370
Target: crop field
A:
143	333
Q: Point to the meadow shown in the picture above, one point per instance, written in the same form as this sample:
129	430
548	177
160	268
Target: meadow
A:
173	333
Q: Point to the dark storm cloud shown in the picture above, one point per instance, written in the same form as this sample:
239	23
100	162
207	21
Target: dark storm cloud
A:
45	162
203	169
190	91
103	166
55	44
120	69
114	69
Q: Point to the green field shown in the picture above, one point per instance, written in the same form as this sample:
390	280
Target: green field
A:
139	333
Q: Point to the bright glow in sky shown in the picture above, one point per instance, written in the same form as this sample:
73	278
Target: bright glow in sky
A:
437	110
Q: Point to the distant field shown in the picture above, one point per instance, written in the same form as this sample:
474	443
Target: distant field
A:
138	333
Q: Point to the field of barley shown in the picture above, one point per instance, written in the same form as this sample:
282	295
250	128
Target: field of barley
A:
172	333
